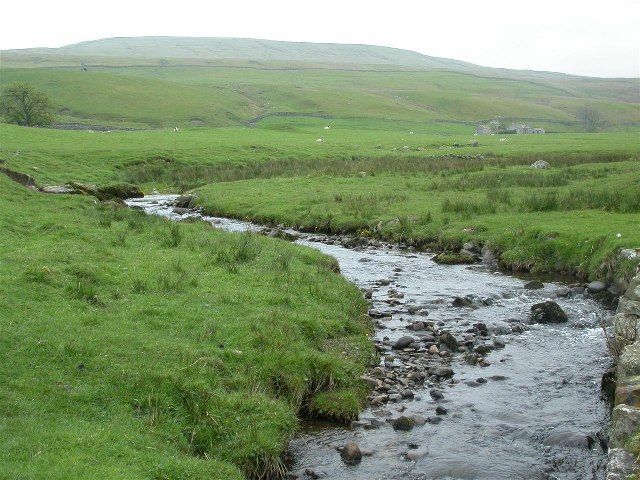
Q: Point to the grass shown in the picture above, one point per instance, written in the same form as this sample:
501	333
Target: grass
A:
566	219
166	160
435	195
137	348
169	351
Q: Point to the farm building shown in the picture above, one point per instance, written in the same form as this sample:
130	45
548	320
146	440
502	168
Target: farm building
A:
522	129
483	130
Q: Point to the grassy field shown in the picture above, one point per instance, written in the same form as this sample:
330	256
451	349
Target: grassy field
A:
573	218
279	146
361	178
136	348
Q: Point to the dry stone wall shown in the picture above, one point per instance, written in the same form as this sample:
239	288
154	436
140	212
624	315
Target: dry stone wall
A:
626	412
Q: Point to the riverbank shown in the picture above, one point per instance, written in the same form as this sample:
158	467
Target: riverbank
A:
459	349
135	347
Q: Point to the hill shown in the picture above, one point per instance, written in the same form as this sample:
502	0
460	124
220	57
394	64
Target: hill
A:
246	49
153	82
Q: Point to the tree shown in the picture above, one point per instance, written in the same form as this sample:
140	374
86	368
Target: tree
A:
496	124
590	118
26	106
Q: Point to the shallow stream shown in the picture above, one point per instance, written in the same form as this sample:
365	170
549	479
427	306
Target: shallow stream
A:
531	410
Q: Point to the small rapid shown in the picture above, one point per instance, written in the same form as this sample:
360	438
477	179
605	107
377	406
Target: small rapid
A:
530	408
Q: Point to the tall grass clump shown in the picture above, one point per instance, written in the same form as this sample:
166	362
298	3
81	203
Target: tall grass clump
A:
499	196
540	202
467	207
173	235
619	201
247	248
504	179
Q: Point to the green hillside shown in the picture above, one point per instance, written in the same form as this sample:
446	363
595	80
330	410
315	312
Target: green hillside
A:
157	82
247	49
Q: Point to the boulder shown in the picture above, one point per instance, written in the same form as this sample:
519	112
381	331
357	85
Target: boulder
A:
445	338
440	410
403	342
183	201
403	423
57	189
414	455
351	453
121	191
452	258
541	164
419	420
488	255
418	326
83	189
628	392
534	285
372	382
436	395
472	247
548	312
629	362
461	302
596	287
626	422
621	464
442	372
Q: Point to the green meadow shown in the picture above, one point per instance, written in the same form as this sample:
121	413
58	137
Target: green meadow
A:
133	347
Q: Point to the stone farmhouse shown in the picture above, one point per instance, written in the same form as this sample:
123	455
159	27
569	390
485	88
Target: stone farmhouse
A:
517	128
522	129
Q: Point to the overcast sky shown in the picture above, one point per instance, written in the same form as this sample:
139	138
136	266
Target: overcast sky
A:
585	37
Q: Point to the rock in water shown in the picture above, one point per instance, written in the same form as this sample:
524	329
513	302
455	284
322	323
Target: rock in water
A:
596	287
448	340
351	453
403	342
548	312
534	285
403	424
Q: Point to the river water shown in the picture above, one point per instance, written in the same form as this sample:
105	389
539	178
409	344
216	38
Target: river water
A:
531	410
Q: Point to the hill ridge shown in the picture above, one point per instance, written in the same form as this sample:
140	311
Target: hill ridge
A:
220	48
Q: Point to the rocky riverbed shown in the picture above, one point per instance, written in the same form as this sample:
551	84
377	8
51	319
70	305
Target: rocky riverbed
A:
470	384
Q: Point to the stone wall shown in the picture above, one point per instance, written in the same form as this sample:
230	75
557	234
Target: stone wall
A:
626	411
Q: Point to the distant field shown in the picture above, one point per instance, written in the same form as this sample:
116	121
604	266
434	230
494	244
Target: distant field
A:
279	146
362	176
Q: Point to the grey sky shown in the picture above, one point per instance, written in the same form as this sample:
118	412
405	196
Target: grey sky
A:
578	37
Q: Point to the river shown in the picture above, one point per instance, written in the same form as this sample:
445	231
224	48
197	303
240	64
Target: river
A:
530	409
